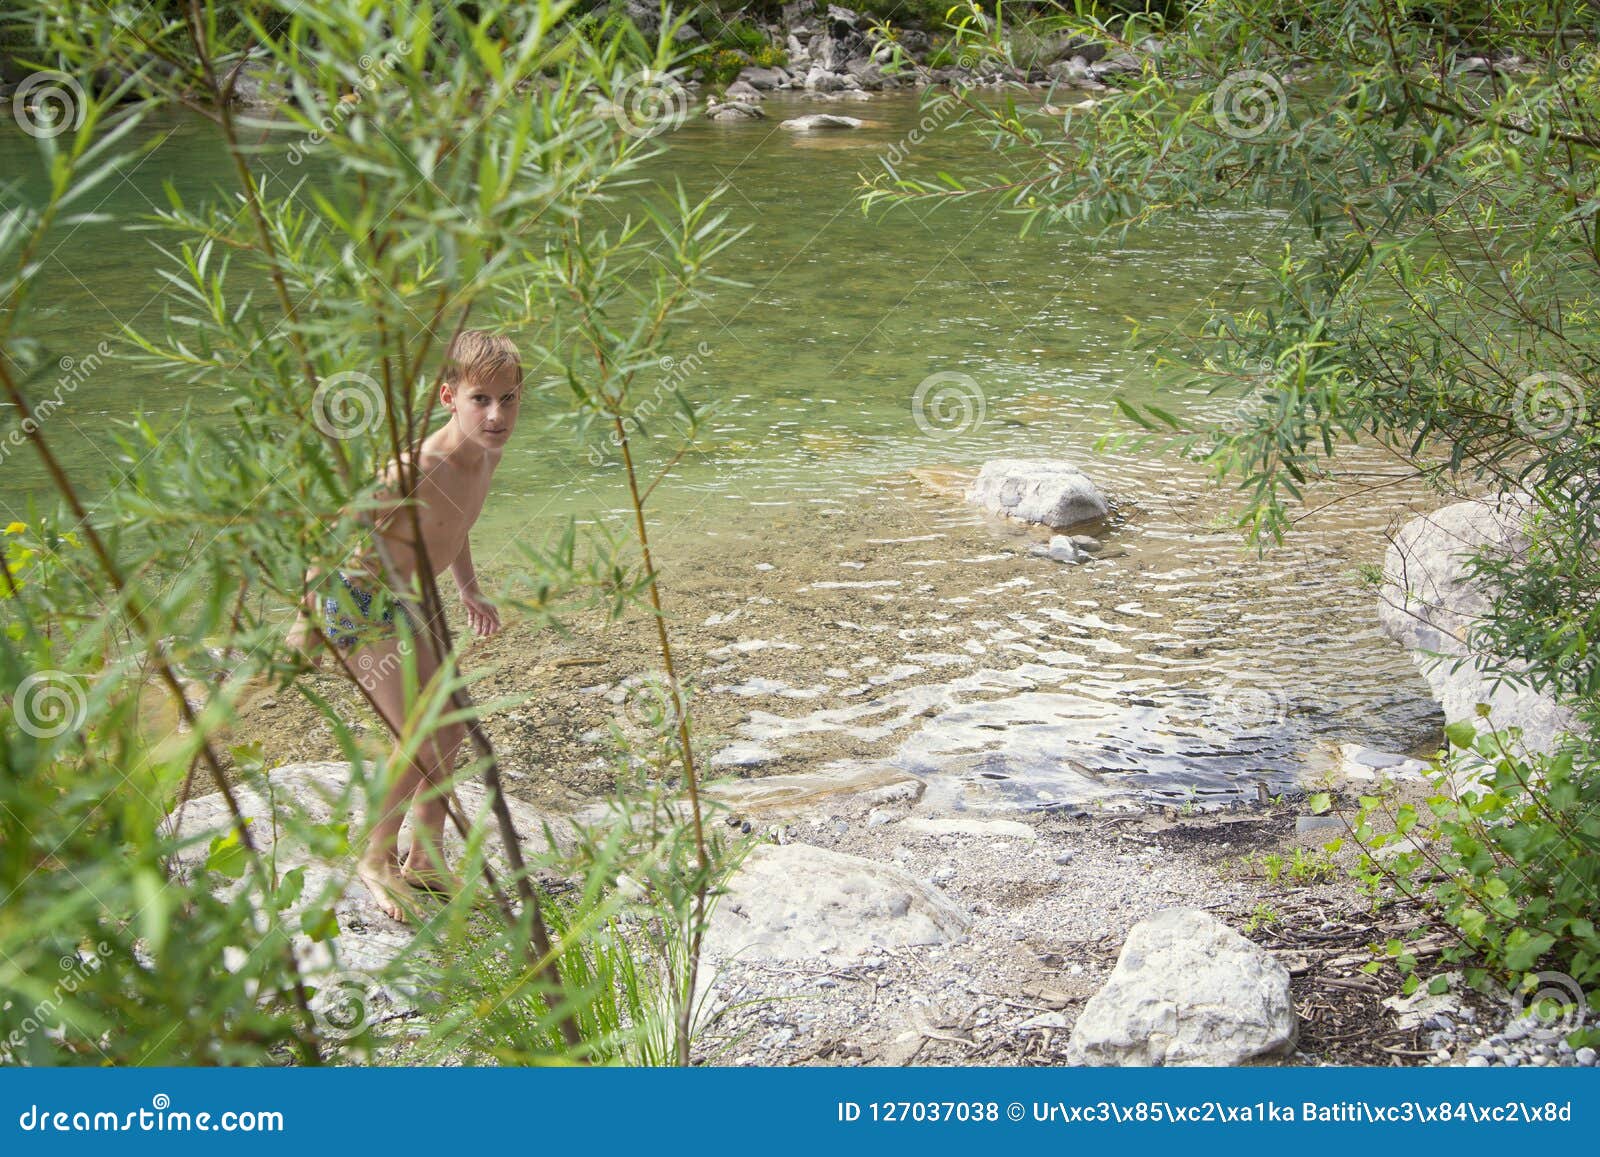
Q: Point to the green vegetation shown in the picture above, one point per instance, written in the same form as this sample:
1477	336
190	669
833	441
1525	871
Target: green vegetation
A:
1300	868
1431	293
174	593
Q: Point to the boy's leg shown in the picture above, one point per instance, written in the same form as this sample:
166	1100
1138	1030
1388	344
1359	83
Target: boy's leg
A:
381	666
424	865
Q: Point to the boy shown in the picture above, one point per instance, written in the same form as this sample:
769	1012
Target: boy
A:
481	388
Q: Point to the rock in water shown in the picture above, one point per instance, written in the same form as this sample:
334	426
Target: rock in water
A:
734	111
797	901
1039	490
1429	604
821	120
1187	990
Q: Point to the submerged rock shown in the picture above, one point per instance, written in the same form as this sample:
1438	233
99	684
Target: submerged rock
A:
798	902
1039	490
1430	605
734	111
1187	990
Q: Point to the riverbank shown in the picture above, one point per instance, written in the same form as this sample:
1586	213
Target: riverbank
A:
898	683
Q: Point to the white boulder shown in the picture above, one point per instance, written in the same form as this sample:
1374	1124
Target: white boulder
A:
1187	990
1429	604
821	120
798	901
1040	490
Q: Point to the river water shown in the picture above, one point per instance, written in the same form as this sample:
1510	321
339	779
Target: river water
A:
816	364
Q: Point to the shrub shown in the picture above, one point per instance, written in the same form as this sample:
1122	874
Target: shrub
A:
1509	864
718	68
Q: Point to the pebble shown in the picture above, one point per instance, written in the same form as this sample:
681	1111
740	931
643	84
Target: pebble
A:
1477	1061
1586	1056
1064	858
1512	1061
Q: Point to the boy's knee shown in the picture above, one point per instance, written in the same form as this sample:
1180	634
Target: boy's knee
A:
442	748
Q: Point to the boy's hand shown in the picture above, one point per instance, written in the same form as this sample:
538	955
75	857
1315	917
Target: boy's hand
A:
482	616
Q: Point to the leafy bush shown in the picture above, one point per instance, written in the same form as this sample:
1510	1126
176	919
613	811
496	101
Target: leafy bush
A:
769	56
1507	859
718	69
123	942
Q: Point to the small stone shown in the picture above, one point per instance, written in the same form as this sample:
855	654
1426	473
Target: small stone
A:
1513	1061
1064	858
1477	1061
1585	1056
1062	549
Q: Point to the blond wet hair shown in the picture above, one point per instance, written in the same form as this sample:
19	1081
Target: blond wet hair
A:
476	355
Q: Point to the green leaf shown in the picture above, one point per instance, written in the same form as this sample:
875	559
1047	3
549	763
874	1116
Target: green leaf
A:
320	924
227	856
1524	950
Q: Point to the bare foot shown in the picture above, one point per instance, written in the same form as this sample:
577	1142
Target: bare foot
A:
426	876
386	883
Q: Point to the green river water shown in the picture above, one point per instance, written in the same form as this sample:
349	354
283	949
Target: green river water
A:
816	365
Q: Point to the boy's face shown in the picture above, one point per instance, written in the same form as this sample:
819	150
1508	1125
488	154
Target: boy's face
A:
485	408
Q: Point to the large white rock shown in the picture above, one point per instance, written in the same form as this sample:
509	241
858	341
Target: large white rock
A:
821	120
1187	990
797	902
1039	490
1429	604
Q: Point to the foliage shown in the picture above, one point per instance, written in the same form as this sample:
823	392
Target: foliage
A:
719	68
458	154
1301	867
1505	852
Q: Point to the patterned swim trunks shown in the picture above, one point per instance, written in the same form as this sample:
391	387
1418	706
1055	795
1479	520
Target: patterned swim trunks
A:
348	618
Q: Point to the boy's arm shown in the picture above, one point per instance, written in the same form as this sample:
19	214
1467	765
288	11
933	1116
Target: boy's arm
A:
482	616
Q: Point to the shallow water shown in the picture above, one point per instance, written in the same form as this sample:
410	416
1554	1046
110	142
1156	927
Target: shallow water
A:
1187	676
